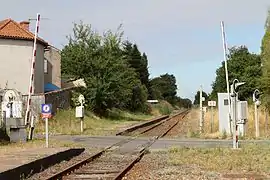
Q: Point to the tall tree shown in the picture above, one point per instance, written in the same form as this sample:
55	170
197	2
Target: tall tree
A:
137	61
184	103
164	87
242	65
197	98
99	60
144	72
265	55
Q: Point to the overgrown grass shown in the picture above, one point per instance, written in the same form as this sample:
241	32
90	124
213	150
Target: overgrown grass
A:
250	158
250	128
65	122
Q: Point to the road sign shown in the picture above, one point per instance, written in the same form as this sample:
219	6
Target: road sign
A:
212	103
46	110
81	99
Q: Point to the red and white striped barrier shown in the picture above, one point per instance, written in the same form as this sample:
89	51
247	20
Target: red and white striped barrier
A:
32	74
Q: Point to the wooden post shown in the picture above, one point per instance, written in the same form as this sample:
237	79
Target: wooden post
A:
266	121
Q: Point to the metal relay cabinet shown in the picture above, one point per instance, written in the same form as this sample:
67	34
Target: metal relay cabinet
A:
225	124
242	116
12	114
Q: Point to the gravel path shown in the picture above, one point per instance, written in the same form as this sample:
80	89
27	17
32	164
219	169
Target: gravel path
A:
185	126
161	128
141	129
105	167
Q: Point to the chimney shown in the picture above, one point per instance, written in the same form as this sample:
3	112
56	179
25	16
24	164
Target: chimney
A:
25	25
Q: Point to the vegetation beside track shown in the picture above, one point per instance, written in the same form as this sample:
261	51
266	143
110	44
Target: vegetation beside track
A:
65	122
250	162
251	158
250	131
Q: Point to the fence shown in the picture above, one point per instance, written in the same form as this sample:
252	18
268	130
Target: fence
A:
60	99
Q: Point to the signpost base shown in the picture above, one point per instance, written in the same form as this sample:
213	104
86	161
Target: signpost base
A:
81	124
47	132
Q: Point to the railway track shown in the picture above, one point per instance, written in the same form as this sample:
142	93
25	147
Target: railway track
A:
165	126
111	162
148	126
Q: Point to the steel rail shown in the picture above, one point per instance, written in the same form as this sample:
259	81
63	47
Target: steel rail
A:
87	160
144	150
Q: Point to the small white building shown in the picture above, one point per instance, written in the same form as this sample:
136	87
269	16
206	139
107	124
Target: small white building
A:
223	113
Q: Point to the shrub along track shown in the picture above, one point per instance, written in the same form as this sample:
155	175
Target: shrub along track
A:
111	162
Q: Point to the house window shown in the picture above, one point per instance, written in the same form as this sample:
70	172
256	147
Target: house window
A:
45	66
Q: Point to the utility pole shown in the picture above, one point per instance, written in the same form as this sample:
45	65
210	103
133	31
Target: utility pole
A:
226	70
235	142
201	111
212	119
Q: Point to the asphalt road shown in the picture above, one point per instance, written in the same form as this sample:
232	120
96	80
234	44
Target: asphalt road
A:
105	141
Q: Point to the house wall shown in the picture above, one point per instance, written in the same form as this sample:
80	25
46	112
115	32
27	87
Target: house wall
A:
39	69
15	58
53	74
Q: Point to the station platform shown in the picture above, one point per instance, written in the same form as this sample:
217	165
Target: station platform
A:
17	163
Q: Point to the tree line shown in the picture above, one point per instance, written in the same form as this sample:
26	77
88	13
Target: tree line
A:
115	72
248	67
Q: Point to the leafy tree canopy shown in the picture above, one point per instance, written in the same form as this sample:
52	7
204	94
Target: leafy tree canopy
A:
99	60
197	98
164	87
242	65
265	55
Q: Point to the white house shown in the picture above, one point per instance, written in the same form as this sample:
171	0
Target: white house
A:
16	46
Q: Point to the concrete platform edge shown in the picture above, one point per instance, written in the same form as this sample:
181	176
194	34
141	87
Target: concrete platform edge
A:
39	165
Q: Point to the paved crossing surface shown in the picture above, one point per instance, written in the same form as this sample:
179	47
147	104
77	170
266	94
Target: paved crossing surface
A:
104	141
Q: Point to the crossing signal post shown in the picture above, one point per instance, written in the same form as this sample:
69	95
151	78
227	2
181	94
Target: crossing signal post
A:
256	96
234	93
80	110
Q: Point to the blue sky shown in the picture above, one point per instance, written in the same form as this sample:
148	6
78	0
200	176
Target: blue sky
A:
181	37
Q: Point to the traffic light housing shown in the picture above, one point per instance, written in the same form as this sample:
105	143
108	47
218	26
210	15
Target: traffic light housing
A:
256	95
236	85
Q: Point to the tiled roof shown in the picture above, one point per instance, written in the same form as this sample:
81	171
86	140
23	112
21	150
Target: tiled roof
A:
12	30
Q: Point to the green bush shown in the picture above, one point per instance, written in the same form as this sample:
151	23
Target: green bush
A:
164	107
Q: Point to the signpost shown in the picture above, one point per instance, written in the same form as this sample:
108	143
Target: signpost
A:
80	110
201	111
212	104
46	111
